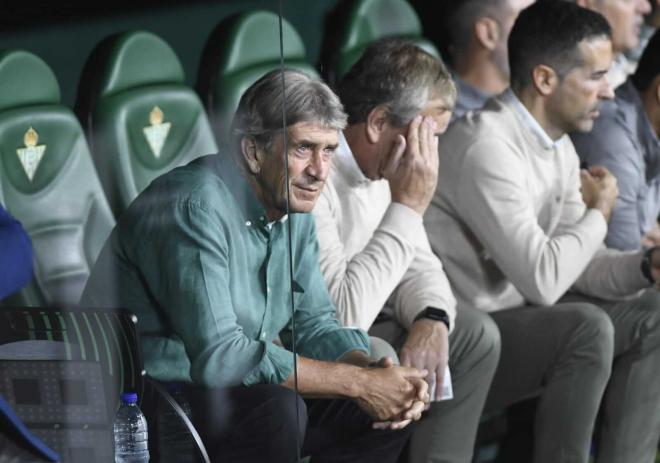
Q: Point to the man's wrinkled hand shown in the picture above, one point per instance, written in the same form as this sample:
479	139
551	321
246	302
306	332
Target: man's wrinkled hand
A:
412	165
427	348
414	413
388	392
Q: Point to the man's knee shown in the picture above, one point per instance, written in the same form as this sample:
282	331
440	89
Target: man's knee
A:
381	348
592	334
648	328
481	334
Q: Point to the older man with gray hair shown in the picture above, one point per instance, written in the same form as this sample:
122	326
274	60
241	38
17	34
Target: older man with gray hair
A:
375	255
201	257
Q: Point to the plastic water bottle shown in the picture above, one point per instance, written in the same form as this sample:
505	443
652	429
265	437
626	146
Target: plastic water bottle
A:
175	444
130	429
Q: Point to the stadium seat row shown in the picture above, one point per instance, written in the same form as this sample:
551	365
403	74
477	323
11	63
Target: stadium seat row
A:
67	185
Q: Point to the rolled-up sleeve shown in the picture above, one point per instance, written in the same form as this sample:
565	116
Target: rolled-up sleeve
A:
274	367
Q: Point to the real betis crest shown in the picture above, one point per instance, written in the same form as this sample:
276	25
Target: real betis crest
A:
156	133
31	155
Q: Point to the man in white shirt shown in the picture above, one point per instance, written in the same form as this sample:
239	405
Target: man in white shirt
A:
374	253
517	224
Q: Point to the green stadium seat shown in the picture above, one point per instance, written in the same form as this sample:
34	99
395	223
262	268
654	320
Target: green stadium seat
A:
357	23
142	120
48	181
240	50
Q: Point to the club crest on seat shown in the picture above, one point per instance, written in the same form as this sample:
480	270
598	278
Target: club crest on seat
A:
31	155
157	132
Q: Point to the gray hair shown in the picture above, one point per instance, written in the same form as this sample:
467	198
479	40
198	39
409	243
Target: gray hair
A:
398	74
259	113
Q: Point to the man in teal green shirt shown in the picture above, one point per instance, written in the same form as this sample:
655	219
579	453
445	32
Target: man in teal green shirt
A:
201	257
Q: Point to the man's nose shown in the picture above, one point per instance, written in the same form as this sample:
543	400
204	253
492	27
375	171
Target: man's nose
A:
606	91
318	167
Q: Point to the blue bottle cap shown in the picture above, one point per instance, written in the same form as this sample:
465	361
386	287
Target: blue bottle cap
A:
129	397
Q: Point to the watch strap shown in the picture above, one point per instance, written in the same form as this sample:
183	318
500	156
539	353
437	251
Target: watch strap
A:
434	313
646	265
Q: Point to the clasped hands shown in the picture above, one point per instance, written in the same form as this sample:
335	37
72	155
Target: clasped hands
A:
399	396
424	357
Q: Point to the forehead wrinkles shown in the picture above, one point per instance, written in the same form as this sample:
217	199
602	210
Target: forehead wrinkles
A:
313	134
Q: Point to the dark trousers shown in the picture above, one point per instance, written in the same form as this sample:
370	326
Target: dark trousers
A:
258	424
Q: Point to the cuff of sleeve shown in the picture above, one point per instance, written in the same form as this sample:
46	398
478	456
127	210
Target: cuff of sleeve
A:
335	344
595	222
403	221
635	279
275	366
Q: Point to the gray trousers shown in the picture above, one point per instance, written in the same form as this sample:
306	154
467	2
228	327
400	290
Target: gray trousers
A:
575	354
447	431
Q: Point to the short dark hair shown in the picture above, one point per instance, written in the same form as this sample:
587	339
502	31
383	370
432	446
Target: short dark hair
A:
648	67
396	73
460	16
549	32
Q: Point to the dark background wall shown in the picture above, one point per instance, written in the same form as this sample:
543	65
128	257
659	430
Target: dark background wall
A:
64	33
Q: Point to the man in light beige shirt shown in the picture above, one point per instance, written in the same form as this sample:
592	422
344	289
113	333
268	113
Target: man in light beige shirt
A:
517	224
374	253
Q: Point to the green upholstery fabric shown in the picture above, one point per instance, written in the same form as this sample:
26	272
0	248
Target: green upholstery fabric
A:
137	59
62	207
241	49
367	20
132	90
39	86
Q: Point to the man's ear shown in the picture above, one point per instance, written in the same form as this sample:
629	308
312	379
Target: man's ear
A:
487	32
656	82
545	79
250	154
376	122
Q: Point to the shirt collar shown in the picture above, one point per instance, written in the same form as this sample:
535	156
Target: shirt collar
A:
469	96
532	124
234	178
345	161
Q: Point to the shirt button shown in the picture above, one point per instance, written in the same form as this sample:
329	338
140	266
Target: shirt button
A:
248	223
263	335
268	289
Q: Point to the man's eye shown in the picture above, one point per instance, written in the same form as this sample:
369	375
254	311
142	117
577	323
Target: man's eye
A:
303	149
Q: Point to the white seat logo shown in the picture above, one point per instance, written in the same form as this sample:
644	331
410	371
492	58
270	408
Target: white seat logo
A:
157	132
31	155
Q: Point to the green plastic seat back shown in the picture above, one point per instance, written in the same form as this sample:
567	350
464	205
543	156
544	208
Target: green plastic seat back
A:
48	181
241	49
142	119
364	21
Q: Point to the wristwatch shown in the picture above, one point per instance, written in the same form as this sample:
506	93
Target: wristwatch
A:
646	264
433	313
